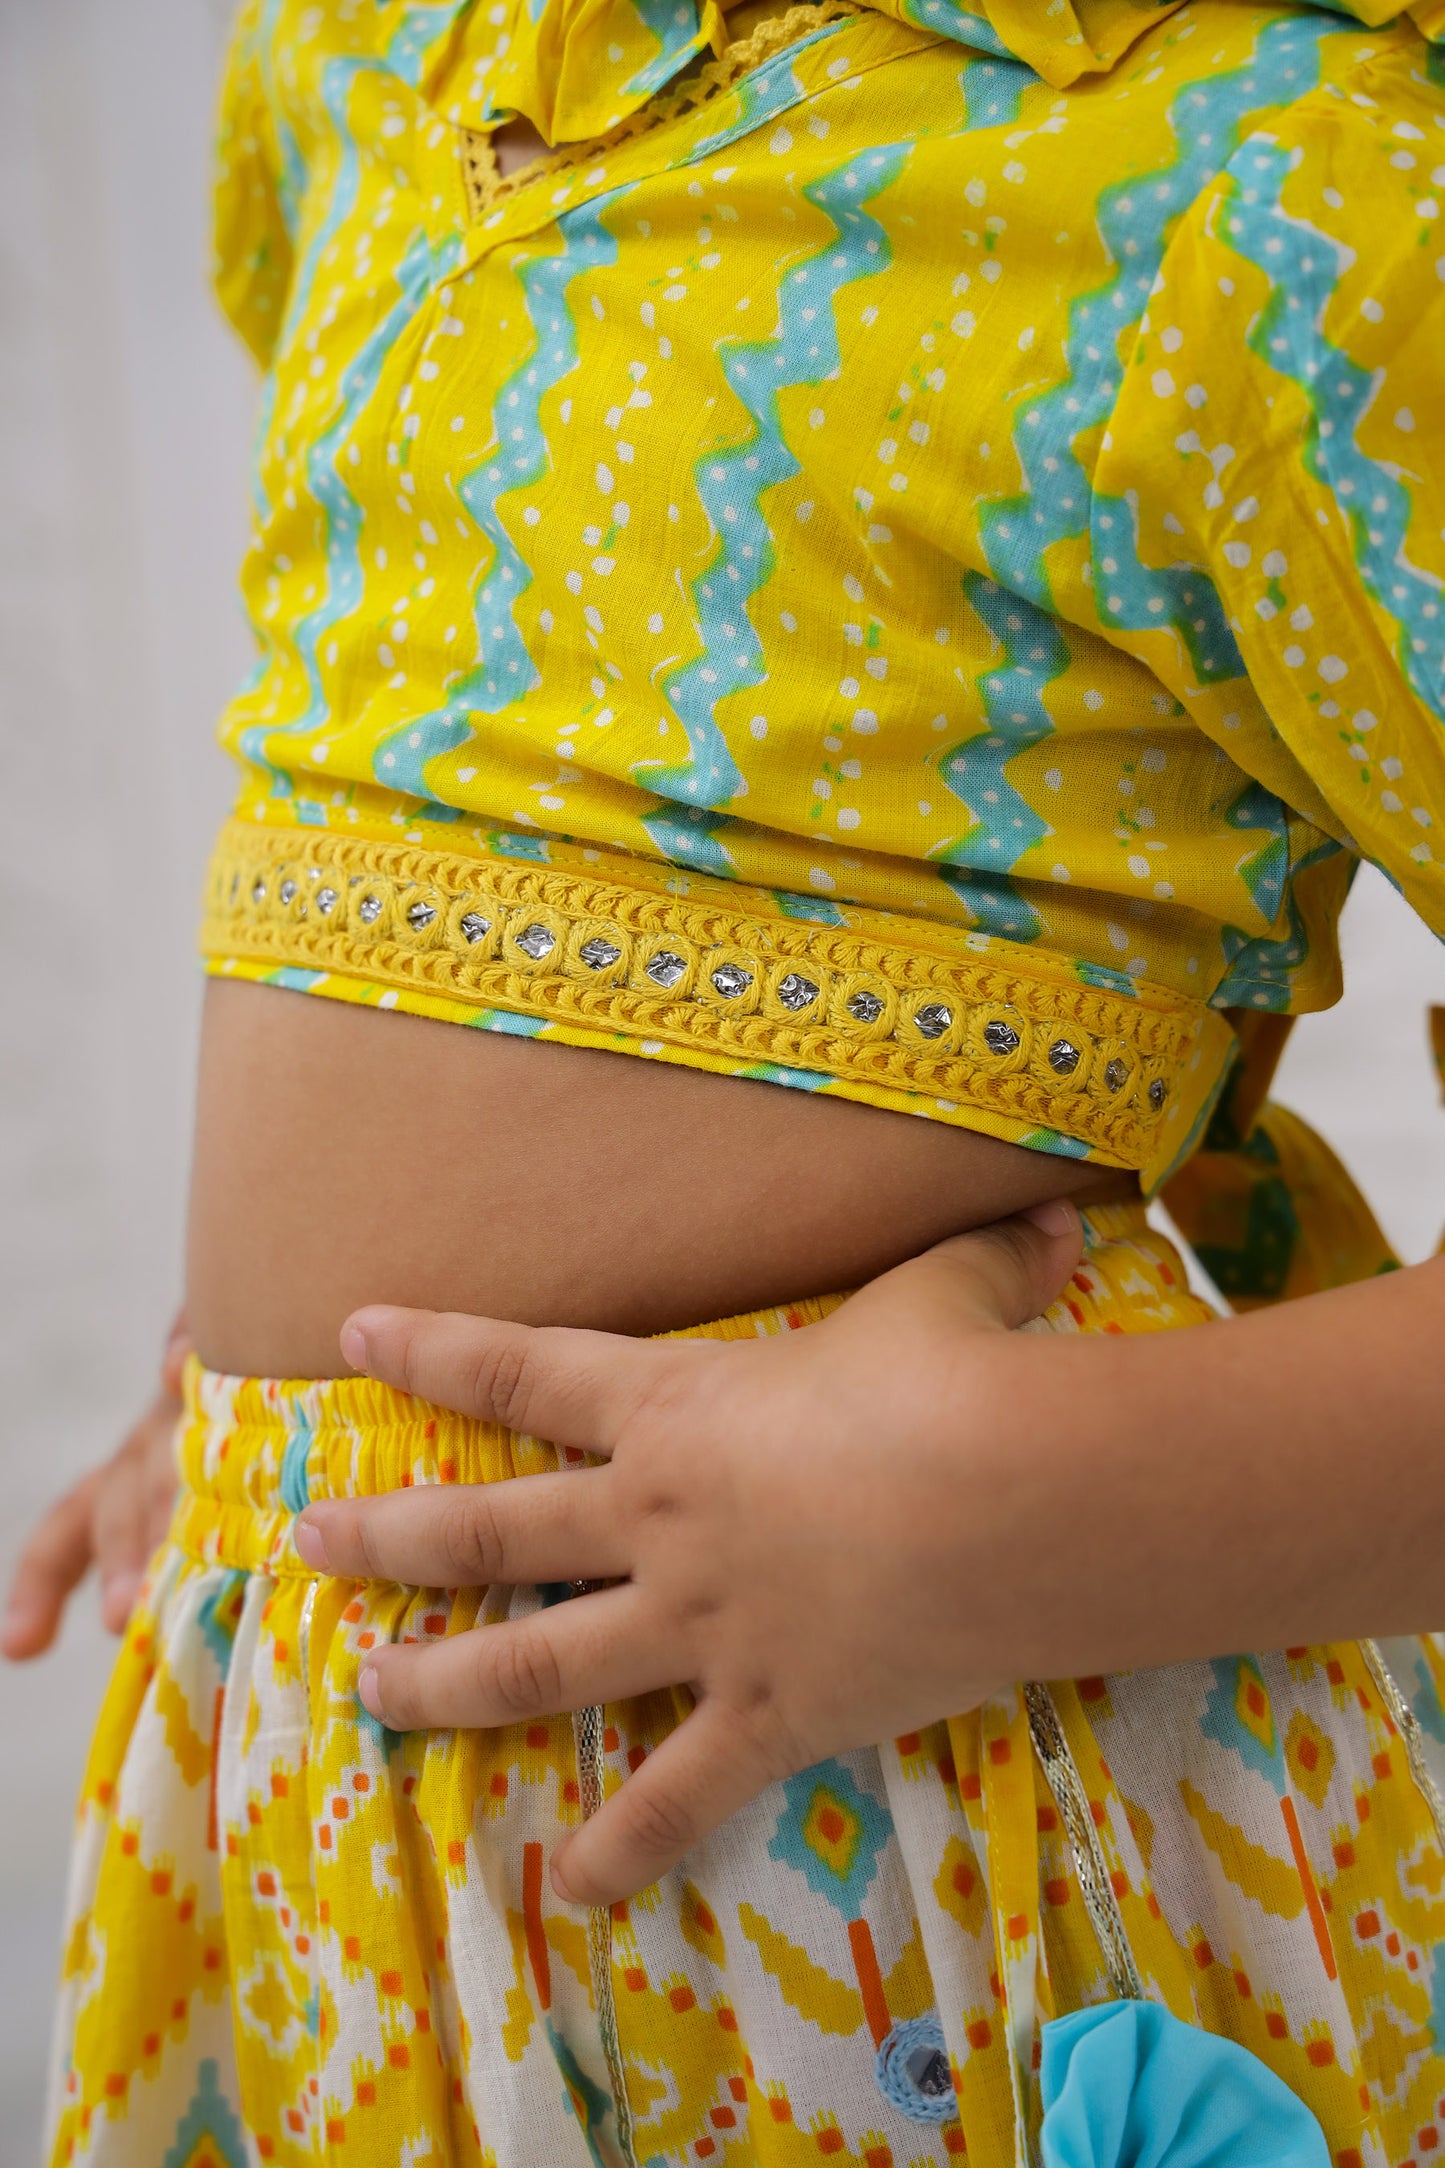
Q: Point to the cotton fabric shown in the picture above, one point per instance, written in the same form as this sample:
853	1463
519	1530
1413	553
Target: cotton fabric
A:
954	487
297	1937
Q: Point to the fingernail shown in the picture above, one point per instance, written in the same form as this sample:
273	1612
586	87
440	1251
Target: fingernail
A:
559	1884
353	1345
310	1544
368	1688
1055	1218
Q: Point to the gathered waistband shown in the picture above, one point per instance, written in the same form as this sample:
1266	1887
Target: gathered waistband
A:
966	1020
255	1451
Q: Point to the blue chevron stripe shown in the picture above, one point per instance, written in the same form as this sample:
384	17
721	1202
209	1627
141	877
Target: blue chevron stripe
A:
504	670
418	270
731	485
1303	267
1005	825
1135	218
1262	968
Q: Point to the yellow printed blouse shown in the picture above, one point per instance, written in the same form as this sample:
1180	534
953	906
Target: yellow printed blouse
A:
904	558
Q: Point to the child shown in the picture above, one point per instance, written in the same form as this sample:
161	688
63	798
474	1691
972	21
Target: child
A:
901	561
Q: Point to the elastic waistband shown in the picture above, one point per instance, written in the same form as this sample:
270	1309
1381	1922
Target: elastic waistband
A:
876	1000
255	1451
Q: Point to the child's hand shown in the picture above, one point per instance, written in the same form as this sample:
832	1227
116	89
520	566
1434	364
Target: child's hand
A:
786	1523
113	1519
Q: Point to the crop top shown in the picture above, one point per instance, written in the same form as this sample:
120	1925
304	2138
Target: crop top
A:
904	558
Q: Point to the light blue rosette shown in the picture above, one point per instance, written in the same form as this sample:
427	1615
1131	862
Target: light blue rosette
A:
1129	2085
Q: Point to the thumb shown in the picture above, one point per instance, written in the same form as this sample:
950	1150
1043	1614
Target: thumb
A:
999	1277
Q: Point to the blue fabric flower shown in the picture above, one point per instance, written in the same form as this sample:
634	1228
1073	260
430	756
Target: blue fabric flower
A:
1129	2085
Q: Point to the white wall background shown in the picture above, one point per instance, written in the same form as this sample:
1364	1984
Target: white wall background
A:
124	423
124	420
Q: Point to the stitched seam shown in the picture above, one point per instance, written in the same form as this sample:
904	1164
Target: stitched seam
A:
487	187
839	1001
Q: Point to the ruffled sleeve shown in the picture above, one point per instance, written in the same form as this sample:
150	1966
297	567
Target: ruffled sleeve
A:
1066	40
574	68
1279	439
250	225
578	68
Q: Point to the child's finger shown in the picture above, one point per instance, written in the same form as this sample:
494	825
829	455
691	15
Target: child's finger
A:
994	1278
467	1535
162	1478
707	1769
573	1388
55	1558
602	1647
121	1532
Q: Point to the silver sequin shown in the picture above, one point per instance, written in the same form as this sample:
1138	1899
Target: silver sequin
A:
665	969
796	992
1064	1057
258	892
598	954
933	1019
536	942
1116	1073
473	926
927	2066
731	980
369	910
866	1008
420	915
287	891
326	899
1157	1093
1000	1038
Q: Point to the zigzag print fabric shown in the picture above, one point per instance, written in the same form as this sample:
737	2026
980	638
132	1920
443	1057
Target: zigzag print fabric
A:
959	486
298	1938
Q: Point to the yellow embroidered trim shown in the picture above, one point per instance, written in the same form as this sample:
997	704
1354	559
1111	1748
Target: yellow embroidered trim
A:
1013	1032
486	186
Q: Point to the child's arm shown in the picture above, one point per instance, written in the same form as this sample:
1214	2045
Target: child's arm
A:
833	1536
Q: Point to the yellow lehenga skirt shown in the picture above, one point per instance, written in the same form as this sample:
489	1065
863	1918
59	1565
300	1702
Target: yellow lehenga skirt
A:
297	1937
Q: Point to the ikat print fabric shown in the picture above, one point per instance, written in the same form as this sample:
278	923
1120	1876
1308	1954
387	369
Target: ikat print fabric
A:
296	1937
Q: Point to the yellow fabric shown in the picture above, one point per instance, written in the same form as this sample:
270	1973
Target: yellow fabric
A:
1276	1215
577	68
787	502
342	1943
1265	1205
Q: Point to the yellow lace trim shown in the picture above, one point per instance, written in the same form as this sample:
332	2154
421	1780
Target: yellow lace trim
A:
1008	1031
486	186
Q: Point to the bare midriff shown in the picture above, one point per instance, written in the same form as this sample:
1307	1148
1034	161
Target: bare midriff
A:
346	1154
